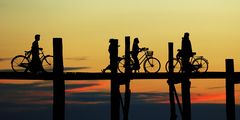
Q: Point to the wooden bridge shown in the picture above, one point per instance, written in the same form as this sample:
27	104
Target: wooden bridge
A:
117	79
108	76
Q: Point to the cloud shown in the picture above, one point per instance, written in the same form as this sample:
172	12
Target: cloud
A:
75	68
65	68
34	101
6	70
218	87
77	58
140	98
104	97
33	93
4	59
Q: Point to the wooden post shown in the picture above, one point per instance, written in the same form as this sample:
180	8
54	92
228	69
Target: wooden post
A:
58	82
186	84
230	99
171	82
127	77
115	93
186	98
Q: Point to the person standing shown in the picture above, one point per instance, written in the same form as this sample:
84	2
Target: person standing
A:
111	51
135	51
186	52
36	64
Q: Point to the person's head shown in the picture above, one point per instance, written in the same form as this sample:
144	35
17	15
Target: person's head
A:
135	41
186	35
37	37
111	40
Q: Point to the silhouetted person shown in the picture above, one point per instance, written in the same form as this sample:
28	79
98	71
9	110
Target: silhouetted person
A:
186	52
135	51
110	50
36	64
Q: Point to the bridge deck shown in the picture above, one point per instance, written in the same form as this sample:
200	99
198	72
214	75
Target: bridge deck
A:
107	76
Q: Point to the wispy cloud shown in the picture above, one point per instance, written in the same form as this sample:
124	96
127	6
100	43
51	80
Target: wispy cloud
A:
65	69
4	59
33	93
6	70
218	87
76	58
75	68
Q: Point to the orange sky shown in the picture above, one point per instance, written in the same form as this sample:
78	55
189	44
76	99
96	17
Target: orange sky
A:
87	25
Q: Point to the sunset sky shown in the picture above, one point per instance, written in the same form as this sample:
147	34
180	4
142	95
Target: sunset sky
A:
87	25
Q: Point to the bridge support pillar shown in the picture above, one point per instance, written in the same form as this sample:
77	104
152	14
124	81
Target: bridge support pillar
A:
115	86
170	81
127	77
230	99
58	82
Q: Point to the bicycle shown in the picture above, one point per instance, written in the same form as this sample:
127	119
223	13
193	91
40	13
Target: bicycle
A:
198	63
150	63
21	63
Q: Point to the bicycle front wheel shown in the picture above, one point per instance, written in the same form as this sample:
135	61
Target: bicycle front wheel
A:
47	63
177	67
151	65
20	63
200	65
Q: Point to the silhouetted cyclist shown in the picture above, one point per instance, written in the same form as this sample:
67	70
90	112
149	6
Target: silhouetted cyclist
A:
36	64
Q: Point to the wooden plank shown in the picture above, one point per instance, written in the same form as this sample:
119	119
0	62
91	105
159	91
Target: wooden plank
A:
107	76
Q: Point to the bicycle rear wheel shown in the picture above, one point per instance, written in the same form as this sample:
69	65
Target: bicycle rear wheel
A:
200	65
176	66
47	63
121	65
151	65
20	63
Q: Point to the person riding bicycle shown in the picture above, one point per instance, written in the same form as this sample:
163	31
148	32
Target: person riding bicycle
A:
36	64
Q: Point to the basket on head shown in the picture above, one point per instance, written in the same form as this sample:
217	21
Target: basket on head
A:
149	53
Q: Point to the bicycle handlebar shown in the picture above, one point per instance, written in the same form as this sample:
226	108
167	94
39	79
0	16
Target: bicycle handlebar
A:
144	49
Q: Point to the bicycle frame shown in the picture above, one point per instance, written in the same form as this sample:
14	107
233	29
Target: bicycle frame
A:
143	57
29	53
191	61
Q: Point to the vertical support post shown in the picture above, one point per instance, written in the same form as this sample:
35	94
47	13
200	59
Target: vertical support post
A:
186	84
58	82
127	77
230	99
115	93
171	82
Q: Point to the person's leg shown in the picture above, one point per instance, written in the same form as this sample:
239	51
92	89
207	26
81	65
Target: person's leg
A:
136	63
